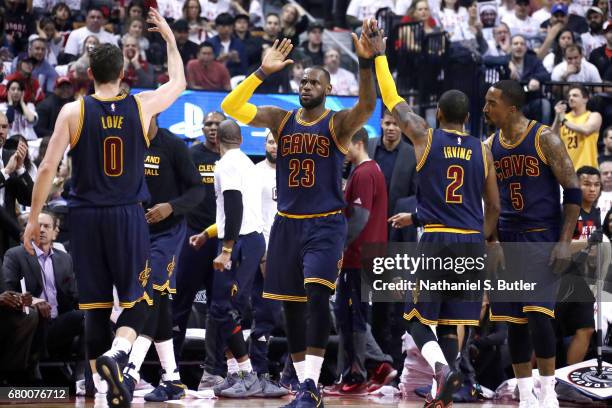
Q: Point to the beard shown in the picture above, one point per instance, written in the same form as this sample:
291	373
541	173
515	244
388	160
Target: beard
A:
596	27
312	103
270	158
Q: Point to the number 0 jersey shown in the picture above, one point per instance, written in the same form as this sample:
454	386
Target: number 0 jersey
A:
108	154
309	165
451	180
529	192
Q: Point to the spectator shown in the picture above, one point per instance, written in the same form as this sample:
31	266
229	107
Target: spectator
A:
19	25
206	73
579	128
272	29
229	49
293	22
313	47
343	81
359	10
187	48
21	115
594	38
575	68
49	109
605	199
137	72
520	22
13	143
602	57
560	14
297	72
602	5
49	276
505	7
251	9
33	91
212	8
252	45
94	24
136	8
42	70
502	44
135	28
606	154
454	20
552	31
543	13
78	69
62	17
170	9
54	39
555	57
199	29
419	11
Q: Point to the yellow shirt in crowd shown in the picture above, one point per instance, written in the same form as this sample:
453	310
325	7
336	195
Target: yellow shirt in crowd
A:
582	149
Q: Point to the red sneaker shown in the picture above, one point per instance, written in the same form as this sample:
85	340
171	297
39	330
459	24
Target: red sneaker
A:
354	389
334	389
382	375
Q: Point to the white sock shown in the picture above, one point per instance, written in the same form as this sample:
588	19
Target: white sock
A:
525	386
300	370
432	353
232	366
119	344
165	352
245	366
312	368
547	386
138	354
101	385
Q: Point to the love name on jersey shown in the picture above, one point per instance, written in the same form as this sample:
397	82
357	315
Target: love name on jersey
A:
457	152
152	165
299	143
111	122
517	166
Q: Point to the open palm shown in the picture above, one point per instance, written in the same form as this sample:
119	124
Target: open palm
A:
275	59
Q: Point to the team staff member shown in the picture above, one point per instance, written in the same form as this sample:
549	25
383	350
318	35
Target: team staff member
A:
175	188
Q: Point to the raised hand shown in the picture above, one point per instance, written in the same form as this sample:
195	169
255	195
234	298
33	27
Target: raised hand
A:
275	59
363	47
160	25
376	38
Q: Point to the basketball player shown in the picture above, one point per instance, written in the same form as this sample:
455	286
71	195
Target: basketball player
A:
107	132
531	162
455	174
175	188
307	237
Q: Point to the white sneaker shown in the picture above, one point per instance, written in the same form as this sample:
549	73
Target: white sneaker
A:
550	401
531	402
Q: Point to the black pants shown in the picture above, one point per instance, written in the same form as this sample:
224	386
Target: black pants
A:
61	332
16	336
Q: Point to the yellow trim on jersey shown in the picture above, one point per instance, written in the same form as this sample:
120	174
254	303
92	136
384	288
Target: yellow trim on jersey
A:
455	132
145	297
415	313
520	139
343	149
489	141
538	147
540	309
442	228
484	159
304	216
95	305
273	296
426	152
113	99
283	123
455	322
144	132
509	319
323	282
314	122
161	288
536	230
75	139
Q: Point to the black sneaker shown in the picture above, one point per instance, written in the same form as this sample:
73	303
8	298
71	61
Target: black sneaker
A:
111	370
310	396
167	390
448	381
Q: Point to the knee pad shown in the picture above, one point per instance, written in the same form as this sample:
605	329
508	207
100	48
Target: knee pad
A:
150	327
319	318
295	325
542	334
98	335
519	343
135	317
164	322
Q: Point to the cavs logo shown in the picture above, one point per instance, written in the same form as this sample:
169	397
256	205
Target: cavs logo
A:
170	267
234	290
144	275
587	377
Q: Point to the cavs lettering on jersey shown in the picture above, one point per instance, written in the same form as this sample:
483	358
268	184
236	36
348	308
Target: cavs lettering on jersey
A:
529	192
309	165
582	149
451	180
107	154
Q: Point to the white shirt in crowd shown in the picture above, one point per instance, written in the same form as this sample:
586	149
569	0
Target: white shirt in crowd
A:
362	9
604	203
590	42
588	73
456	24
77	37
343	82
210	10
541	16
267	177
171	8
235	171
528	27
580	7
549	61
49	4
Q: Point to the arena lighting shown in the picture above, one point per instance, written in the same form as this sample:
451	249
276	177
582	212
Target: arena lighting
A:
184	118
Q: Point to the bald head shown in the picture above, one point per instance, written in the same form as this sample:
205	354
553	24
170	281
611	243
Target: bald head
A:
229	133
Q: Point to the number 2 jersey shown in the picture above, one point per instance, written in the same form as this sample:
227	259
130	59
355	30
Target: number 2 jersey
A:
529	192
108	154
451	179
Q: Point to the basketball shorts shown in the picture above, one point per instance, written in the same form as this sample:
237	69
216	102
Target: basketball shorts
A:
165	249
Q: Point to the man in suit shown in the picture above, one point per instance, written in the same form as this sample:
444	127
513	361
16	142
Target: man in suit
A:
15	185
50	278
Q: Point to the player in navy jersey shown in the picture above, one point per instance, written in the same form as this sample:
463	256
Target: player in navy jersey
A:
531	162
107	132
308	234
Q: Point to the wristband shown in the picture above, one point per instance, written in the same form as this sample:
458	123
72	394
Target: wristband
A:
366	63
226	250
261	74
415	220
572	196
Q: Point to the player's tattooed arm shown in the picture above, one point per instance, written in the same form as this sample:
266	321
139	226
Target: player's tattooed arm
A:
491	199
411	124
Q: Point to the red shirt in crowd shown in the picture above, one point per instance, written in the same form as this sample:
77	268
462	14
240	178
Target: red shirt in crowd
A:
32	92
215	77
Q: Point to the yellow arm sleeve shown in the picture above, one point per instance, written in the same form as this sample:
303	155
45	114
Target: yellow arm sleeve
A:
385	82
211	231
235	103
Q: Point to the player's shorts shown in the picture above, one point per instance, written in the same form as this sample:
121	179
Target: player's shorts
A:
447	307
301	251
165	248
110	247
531	258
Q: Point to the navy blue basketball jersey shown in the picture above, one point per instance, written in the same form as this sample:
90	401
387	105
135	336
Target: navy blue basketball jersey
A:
529	192
309	166
108	154
451	179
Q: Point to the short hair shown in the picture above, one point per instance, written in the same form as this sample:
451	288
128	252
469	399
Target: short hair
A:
106	63
272	14
216	113
47	20
361	136
588	170
518	35
583	91
224	19
229	132
455	106
387	112
51	214
573	47
322	69
94	8
242	17
512	92
205	44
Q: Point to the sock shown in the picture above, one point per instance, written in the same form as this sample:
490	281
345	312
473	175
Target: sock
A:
312	368
101	385
547	383
300	370
120	344
232	366
525	386
245	366
433	354
165	352
137	356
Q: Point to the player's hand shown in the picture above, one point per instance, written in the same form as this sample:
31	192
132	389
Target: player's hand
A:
401	220
196	241
560	258
158	213
31	233
222	261
495	257
275	59
11	300
44	309
160	25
